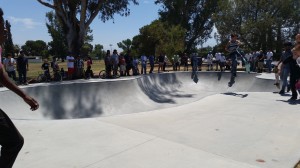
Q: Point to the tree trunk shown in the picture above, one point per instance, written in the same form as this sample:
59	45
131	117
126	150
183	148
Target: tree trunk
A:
75	39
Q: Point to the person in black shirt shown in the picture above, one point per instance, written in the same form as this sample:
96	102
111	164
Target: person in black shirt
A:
161	60
22	68
128	61
46	68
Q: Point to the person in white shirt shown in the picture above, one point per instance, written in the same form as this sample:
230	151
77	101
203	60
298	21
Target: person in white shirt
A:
9	64
115	62
269	58
222	60
218	60
210	61
70	64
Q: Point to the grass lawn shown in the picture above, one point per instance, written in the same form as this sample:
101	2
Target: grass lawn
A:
35	68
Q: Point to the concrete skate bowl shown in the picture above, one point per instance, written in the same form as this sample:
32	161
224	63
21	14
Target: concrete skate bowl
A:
99	98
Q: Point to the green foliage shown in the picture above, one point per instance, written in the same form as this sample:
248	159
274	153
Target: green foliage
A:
192	15
86	50
98	52
159	38
58	45
8	45
35	48
125	45
261	24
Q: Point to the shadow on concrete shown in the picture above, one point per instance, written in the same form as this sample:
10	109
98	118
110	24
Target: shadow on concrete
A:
291	102
63	102
162	88
235	94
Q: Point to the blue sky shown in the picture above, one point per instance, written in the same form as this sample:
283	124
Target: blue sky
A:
27	18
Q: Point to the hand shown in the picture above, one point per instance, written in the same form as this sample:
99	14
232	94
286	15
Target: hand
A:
34	105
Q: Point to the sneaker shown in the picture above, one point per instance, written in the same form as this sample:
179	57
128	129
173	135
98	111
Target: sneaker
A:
293	98
288	89
281	92
231	83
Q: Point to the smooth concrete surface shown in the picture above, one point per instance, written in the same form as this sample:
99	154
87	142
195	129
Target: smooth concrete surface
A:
158	121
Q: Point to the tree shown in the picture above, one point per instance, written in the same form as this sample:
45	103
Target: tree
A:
192	15
98	52
125	45
37	47
159	38
58	45
17	49
76	16
261	24
8	45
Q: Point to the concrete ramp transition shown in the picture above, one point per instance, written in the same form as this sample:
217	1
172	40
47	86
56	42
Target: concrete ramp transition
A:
98	98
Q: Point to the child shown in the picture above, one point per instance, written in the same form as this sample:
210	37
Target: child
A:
45	66
89	73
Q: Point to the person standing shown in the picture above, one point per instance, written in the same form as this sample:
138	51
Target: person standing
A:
161	60
151	62
9	64
128	60
176	62
144	64
260	62
218	56
209	59
122	64
269	58
107	63
22	68
11	140
46	68
70	64
194	61
285	67
79	67
115	62
184	61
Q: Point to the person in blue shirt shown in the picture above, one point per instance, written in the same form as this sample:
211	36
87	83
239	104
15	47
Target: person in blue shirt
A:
151	62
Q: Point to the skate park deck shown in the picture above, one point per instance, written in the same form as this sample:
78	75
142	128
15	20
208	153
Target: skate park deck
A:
158	121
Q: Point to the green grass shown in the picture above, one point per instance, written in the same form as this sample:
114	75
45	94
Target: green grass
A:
35	68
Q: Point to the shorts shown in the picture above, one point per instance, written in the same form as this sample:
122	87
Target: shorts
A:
260	65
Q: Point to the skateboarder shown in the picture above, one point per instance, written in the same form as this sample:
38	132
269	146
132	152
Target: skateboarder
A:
11	140
232	47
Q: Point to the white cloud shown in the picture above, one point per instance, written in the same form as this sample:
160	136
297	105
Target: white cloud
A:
27	23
